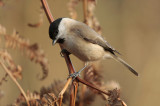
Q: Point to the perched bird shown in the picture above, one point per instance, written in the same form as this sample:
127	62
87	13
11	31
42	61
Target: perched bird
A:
82	41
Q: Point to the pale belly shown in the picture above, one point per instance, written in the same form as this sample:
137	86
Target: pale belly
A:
84	51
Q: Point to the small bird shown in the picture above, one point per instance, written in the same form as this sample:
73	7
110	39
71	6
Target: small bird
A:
82	41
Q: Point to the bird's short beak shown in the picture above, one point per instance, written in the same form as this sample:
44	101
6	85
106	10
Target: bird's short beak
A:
54	42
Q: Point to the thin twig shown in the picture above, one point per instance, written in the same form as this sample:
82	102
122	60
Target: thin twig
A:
15	81
92	86
60	97
75	83
74	88
72	95
47	11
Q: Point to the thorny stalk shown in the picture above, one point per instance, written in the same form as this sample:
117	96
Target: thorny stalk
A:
15	81
74	85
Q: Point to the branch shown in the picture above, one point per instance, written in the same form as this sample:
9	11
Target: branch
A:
92	86
15	81
47	11
60	97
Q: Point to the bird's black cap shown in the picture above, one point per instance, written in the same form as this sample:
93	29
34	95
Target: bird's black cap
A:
53	29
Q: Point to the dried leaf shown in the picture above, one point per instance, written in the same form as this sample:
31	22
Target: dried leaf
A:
33	99
49	99
32	51
4	79
92	74
15	69
39	23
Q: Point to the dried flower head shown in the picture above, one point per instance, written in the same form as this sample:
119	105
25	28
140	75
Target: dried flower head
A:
111	85
114	98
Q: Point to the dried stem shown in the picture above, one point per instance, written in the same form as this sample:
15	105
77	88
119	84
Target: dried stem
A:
47	11
74	88
63	91
92	86
15	81
75	83
72	95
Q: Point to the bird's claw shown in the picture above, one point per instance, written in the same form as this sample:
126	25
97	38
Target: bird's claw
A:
64	51
74	75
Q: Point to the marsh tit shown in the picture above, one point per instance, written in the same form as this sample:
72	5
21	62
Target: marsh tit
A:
82	41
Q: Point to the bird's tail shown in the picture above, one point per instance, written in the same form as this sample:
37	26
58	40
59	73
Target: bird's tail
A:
125	64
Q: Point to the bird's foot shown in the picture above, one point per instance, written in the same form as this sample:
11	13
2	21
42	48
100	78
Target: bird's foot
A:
64	51
76	74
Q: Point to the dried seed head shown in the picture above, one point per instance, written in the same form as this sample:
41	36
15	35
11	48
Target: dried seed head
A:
111	85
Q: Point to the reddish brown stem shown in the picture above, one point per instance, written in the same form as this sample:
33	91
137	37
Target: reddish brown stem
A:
91	86
47	11
67	59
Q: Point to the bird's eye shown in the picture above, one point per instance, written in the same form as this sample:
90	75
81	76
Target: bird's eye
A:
56	32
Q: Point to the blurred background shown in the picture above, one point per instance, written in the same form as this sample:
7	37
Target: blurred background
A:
130	26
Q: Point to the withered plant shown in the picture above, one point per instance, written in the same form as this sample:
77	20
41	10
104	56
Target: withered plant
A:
56	94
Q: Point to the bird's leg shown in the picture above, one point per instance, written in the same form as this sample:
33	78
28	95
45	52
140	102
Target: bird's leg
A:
74	75
64	51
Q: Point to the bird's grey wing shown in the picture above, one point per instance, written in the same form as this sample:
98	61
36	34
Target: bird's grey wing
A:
88	34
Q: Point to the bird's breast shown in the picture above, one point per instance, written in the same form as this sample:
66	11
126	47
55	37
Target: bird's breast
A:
82	49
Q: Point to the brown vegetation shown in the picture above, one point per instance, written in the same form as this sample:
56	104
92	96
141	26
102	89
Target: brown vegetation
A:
57	92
